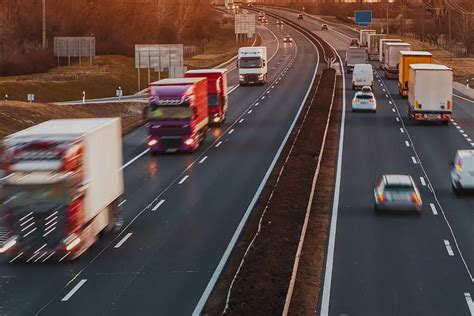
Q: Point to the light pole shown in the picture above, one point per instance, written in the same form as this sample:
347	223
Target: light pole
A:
44	24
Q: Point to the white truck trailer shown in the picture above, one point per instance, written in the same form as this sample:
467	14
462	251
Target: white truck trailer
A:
382	44
355	55
373	51
253	65
430	93
392	58
64	186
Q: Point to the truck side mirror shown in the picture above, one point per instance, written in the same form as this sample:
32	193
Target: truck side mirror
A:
264	63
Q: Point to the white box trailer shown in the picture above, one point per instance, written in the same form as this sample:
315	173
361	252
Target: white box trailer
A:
430	92
364	37
78	164
382	44
392	58
374	46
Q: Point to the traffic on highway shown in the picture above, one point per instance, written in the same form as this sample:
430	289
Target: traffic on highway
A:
173	216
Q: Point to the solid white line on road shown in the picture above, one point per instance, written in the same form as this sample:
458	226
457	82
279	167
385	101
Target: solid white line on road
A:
249	112
183	180
414	160
470	303
123	202
135	159
219	143
74	290
393	110
158	205
390	102
124	239
203	159
460	97
402	130
231	131
407	143
241	120
398	120
433	209
423	182
448	248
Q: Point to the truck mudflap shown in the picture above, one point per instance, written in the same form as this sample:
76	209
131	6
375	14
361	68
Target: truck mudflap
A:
432	116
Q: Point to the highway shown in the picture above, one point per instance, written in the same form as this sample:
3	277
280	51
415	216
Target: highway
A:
397	264
180	211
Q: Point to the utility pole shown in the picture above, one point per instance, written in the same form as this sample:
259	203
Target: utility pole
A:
44	24
449	34
387	20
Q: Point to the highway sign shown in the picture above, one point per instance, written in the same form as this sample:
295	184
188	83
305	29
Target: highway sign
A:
74	46
363	17
159	56
245	24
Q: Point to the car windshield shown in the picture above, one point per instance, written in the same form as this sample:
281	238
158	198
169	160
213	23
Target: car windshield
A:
18	195
250	62
213	101
170	112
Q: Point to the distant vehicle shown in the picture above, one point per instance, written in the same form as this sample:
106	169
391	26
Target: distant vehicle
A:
373	46
252	64
178	116
64	187
395	192
406	59
265	21
364	37
355	55
430	93
324	27
217	98
383	43
362	75
287	39
462	171
392	58
354	42
300	16
364	100
279	22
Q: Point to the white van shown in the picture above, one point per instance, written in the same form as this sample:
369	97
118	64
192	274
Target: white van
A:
362	75
462	170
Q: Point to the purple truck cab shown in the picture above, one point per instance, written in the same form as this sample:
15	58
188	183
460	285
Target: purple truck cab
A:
177	115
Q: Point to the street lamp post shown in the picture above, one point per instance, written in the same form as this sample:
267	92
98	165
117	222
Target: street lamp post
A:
44	23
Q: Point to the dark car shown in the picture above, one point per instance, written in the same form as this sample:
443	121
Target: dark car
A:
300	16
324	27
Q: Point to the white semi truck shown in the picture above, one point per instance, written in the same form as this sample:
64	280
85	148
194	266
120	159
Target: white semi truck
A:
373	50
364	37
382	44
63	187
253	65
430	93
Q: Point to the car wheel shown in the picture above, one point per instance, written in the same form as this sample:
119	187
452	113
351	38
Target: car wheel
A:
457	190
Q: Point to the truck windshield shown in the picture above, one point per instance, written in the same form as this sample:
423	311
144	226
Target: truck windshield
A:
170	112
213	101
18	195
250	62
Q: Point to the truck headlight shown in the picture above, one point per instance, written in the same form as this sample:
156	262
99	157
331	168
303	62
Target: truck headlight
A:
241	77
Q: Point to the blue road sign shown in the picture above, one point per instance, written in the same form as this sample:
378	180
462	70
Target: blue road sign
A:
363	17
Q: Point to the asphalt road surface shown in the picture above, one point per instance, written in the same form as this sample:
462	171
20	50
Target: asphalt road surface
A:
180	210
398	264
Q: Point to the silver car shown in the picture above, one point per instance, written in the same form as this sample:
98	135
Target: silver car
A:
396	192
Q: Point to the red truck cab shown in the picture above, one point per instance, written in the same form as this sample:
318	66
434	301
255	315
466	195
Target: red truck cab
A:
217	92
178	115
